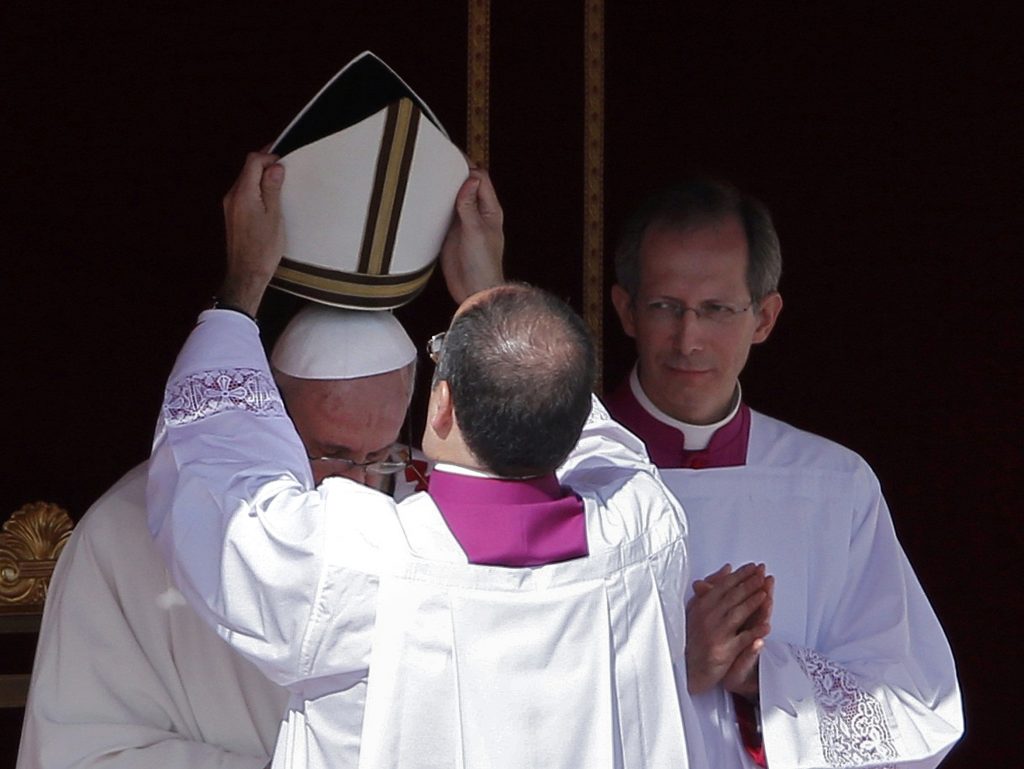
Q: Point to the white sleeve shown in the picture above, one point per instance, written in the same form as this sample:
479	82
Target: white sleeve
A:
247	538
880	687
608	457
604	443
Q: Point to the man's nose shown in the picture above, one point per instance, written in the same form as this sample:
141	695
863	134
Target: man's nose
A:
689	333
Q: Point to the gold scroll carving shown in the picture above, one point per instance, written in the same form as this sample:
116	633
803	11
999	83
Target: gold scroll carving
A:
30	542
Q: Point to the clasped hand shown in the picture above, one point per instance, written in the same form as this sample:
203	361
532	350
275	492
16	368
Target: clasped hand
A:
727	619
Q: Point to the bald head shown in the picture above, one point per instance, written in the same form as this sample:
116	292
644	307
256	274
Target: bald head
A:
520	366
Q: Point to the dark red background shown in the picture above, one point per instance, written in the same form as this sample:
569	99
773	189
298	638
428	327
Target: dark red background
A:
885	138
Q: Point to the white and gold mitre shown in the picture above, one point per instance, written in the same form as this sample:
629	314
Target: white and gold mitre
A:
369	189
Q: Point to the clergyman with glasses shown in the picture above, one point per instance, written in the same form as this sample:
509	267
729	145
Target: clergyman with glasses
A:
809	639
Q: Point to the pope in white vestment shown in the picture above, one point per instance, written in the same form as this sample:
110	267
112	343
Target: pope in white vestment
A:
352	602
126	675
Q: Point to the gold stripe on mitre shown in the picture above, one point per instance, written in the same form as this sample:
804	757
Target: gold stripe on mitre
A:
394	160
346	289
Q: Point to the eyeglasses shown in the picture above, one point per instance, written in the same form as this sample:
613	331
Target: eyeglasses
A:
395	462
715	313
434	346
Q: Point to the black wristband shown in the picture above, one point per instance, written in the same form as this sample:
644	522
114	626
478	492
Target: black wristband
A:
220	304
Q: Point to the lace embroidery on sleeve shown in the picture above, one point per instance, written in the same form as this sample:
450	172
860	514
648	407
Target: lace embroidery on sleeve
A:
210	392
851	722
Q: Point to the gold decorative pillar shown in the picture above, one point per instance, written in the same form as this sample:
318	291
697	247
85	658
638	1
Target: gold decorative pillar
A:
478	128
478	87
593	172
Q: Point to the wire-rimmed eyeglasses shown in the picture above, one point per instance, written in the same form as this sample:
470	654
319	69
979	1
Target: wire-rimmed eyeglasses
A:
434	346
715	313
395	462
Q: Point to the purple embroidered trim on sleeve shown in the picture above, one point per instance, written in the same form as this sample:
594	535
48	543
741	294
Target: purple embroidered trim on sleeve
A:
851	722
210	392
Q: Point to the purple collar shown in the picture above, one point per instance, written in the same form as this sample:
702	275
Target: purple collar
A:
502	522
666	444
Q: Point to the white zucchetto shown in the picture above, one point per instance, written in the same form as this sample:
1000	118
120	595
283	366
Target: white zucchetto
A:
323	342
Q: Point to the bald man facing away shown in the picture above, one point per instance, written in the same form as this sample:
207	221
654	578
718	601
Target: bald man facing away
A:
510	616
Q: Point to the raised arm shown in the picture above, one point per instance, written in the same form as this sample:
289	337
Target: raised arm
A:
255	232
471	257
231	500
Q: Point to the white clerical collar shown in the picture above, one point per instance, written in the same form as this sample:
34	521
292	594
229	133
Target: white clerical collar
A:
696	437
445	467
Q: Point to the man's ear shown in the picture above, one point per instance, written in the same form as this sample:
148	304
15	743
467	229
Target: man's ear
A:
441	416
624	309
768	310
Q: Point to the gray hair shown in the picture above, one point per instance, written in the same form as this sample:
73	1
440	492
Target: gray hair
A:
699	202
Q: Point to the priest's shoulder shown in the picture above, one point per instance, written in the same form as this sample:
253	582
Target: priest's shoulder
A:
774	442
629	502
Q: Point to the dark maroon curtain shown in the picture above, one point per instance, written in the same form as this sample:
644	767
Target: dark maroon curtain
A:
884	137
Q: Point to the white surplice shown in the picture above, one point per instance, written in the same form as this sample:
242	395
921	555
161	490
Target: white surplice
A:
351	601
857	671
126	675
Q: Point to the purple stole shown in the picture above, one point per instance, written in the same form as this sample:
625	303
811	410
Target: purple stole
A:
665	444
504	522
